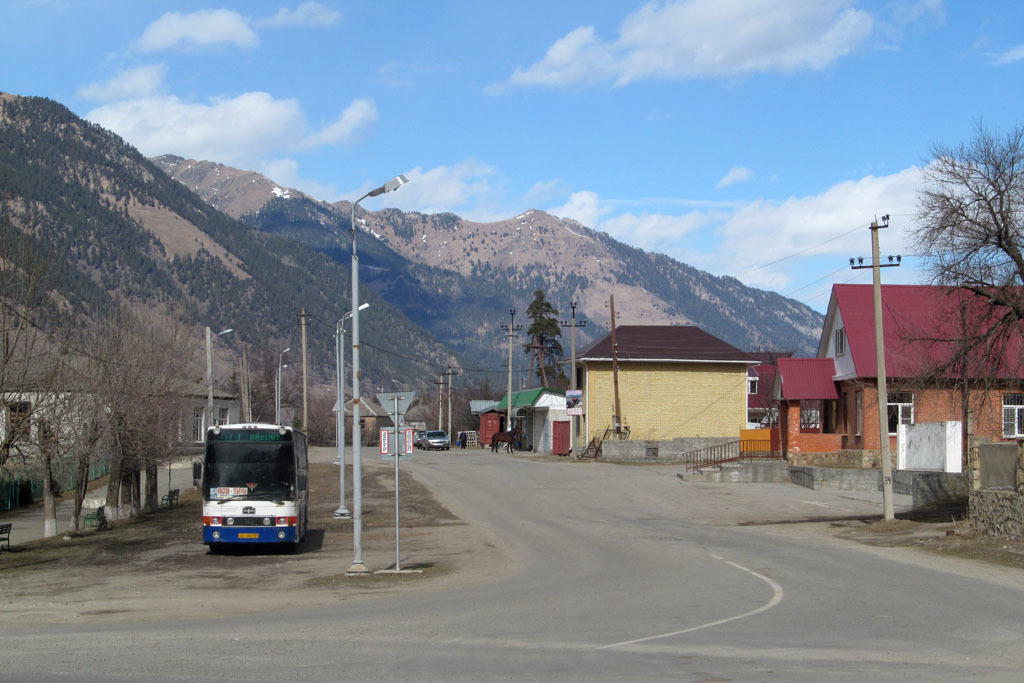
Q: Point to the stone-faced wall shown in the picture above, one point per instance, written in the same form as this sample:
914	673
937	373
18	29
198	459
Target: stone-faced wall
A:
996	511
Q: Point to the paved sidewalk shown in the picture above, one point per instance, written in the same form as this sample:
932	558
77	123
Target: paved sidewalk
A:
28	522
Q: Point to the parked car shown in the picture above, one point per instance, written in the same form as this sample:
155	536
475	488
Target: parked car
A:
419	438
435	438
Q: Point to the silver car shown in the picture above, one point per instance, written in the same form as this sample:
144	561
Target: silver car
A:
435	438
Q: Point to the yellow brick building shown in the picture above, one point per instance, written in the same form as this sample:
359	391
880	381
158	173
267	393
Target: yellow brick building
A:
674	381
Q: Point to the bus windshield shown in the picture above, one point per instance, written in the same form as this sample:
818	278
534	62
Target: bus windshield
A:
239	470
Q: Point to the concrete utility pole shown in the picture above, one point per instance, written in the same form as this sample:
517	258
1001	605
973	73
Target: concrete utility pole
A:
883	396
305	374
209	373
572	325
511	328
450	373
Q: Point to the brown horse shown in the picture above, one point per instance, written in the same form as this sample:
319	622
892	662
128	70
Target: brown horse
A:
507	438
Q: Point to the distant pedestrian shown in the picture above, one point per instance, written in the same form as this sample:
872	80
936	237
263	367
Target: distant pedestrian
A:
462	439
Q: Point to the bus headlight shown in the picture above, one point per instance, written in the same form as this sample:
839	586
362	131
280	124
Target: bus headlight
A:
267	521
280	534
231	521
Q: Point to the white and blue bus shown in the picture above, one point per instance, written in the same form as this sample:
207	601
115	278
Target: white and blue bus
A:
255	483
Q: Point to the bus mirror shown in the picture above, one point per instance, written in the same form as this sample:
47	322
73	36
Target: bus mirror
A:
197	473
302	481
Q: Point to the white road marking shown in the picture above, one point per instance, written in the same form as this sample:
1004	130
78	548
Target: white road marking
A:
777	595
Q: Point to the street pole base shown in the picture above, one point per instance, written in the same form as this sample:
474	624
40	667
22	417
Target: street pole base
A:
357	569
342	513
399	571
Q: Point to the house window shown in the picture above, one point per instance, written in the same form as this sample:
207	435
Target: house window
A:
222	416
1013	415
19	420
197	424
860	412
901	409
810	416
840	341
752	386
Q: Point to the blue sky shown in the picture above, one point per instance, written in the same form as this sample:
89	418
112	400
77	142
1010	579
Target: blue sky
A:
752	138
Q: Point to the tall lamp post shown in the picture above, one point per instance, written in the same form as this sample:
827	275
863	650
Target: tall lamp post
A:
209	372
339	343
277	394
357	436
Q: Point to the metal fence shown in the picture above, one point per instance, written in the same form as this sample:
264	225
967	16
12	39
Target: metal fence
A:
21	489
730	451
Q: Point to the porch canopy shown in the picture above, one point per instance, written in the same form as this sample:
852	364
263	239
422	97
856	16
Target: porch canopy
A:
806	379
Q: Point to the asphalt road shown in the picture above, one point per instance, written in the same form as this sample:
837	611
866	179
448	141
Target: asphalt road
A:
613	573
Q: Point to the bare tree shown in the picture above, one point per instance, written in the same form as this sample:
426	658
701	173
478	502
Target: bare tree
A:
971	233
971	219
143	367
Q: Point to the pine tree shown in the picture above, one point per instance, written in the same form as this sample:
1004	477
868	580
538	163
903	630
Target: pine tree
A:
544	334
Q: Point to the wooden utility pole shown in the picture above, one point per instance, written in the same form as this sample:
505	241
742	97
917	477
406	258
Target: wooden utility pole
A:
617	417
883	396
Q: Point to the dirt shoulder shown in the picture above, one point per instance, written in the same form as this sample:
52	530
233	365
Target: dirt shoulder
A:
157	567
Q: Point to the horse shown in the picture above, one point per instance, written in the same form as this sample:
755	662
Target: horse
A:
507	438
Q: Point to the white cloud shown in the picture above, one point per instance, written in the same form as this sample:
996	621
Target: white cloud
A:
467	188
237	131
358	116
308	14
198	29
822	226
736	174
655	232
1014	54
701	38
142	81
585	207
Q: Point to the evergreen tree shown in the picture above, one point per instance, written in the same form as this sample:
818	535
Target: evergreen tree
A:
545	343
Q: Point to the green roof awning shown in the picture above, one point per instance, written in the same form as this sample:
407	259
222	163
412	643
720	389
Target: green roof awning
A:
525	398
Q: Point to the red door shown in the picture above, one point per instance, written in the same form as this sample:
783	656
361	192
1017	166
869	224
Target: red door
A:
561	444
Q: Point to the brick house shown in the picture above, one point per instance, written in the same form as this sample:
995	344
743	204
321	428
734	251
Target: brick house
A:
674	381
829	404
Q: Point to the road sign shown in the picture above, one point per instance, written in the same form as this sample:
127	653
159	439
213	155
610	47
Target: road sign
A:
385	446
408	441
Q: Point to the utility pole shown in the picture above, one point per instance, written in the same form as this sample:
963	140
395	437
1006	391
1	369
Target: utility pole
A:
511	328
246	415
617	417
440	399
883	396
451	372
305	374
572	325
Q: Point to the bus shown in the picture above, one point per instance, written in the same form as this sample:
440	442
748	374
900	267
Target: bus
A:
255	485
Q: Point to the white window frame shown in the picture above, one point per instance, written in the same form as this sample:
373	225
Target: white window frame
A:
1013	416
860	412
840	341
903	403
198	418
751	386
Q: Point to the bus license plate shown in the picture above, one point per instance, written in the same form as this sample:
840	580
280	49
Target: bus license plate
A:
248	535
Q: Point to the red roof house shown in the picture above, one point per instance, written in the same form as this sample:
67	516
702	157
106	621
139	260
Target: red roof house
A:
830	402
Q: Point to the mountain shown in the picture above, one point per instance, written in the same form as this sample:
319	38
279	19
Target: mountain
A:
459	279
125	232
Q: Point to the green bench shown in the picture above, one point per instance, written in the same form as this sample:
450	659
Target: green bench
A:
95	519
171	498
5	534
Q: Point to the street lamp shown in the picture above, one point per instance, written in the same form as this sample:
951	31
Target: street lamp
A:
339	343
357	436
277	393
209	372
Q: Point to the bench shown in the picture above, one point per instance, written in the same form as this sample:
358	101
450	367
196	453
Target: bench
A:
171	498
5	534
95	520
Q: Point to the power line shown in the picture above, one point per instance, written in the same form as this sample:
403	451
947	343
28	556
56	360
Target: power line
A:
803	251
